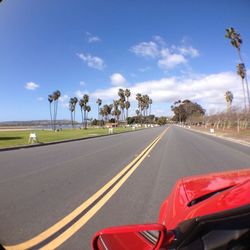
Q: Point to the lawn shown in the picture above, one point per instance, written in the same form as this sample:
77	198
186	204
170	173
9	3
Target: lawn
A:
18	138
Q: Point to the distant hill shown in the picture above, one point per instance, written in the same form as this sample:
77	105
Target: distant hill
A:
34	123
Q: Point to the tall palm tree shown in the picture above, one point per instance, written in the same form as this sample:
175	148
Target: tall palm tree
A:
116	112
72	107
139	100
236	41
81	104
88	109
121	94
127	106
99	103
50	99
85	100
229	99
101	113
56	95
241	71
127	94
106	111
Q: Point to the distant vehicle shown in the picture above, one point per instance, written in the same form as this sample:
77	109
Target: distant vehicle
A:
202	212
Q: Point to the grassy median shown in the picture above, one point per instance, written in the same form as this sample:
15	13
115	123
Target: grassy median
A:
18	138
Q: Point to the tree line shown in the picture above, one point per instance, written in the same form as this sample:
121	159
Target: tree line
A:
118	109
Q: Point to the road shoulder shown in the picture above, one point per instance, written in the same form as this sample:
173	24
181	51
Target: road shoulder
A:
227	138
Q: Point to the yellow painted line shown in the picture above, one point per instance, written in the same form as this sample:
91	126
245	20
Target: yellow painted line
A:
60	224
81	222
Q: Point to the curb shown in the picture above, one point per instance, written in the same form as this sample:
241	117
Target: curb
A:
64	141
221	137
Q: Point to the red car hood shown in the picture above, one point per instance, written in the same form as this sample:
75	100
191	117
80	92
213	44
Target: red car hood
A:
205	194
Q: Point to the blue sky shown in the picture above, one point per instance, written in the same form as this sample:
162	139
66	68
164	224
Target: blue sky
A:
169	50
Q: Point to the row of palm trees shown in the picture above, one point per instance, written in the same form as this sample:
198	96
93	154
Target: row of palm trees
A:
115	109
53	100
144	105
236	42
85	109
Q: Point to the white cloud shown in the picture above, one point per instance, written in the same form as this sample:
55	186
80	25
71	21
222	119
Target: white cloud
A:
31	86
188	51
80	93
91	38
92	61
82	83
168	57
170	60
146	49
40	99
207	90
117	79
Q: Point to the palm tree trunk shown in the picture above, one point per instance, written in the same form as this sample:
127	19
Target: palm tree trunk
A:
54	116
82	118
85	120
247	89
239	54
74	117
248	97
71	119
50	115
244	95
56	111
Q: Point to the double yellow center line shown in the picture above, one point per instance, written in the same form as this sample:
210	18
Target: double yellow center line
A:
95	202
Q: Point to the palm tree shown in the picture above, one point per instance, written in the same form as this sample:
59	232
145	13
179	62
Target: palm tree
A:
139	100
85	100
56	95
121	94
241	71
99	103
50	99
72	107
236	41
127	94
116	112
229	99
127	106
88	109
106	111
81	104
102	114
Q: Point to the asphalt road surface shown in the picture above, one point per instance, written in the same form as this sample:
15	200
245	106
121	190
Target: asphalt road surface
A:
41	186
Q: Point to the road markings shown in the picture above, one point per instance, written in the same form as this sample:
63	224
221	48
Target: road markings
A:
117	181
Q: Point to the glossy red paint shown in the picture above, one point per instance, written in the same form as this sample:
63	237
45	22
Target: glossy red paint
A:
116	236
177	208
190	198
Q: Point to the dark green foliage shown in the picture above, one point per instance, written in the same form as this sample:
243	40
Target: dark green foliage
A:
184	110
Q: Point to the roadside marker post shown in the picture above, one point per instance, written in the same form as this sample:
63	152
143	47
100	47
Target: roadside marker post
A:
32	138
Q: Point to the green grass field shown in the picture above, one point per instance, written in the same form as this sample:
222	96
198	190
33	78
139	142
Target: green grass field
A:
18	138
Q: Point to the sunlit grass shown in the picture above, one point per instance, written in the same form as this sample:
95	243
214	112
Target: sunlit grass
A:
17	138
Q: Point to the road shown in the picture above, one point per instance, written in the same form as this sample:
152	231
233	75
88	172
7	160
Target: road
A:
40	186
